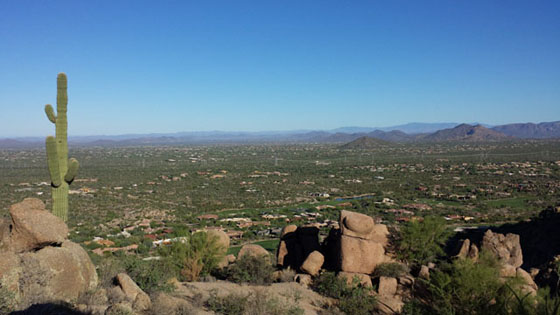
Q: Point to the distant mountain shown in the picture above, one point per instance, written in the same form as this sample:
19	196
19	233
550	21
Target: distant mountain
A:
465	132
18	144
414	128
364	143
543	130
391	136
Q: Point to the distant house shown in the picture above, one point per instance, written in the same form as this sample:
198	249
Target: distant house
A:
208	217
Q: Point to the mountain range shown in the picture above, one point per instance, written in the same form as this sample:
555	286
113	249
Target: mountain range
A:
412	132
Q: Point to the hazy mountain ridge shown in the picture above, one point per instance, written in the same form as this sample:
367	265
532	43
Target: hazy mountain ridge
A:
531	131
452	132
364	142
465	132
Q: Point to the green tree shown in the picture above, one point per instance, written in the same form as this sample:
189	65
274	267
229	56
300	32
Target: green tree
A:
422	241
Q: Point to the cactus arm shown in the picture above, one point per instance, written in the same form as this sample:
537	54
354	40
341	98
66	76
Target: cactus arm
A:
73	166
50	113
52	161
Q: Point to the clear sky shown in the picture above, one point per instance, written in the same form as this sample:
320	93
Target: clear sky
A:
167	66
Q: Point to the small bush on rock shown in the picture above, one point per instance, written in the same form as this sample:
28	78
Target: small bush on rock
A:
390	269
352	299
251	269
255	303
7	300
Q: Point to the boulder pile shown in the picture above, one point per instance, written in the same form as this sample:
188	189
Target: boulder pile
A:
39	264
353	250
507	249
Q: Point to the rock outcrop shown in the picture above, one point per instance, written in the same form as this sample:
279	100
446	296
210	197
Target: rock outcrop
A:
39	264
362	243
505	247
252	250
296	243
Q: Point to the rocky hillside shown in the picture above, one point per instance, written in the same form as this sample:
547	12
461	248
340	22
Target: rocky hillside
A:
543	130
465	132
364	143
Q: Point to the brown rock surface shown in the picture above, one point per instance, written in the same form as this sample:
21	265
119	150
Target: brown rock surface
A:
10	271
360	255
252	250
140	300
505	247
288	231
387	286
57	273
33	227
388	305
521	273
356	224
313	263
464	246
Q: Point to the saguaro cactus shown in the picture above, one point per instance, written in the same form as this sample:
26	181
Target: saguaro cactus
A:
61	169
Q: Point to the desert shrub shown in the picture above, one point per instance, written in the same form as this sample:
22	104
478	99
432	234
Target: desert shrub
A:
251	269
233	304
352	299
198	256
328	284
542	304
150	275
258	302
107	270
7	300
467	287
118	310
287	275
422	241
390	269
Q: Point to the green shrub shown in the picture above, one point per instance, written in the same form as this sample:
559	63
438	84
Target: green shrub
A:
150	275
468	287
7	300
390	269
233	304
198	256
352	299
421	242
255	303
251	269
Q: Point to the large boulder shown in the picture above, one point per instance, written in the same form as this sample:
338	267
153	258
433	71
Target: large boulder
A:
313	263
356	224
57	273
37	262
252	250
139	299
360	255
505	247
33	227
387	286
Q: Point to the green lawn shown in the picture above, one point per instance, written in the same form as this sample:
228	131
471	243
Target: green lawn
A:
520	202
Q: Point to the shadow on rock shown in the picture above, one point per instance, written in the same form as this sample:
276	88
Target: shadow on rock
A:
48	309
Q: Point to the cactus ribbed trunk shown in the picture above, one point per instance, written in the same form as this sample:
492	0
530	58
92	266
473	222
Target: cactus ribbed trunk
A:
61	169
60	201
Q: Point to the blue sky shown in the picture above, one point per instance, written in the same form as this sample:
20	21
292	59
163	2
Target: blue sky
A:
166	66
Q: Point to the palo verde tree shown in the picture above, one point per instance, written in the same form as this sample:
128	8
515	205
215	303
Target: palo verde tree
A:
62	170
